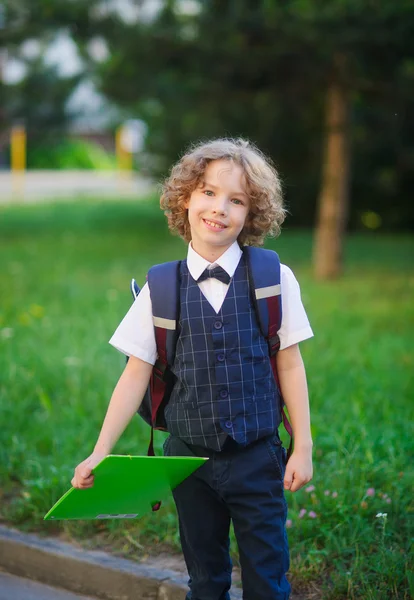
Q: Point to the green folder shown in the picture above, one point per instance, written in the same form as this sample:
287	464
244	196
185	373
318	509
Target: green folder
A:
125	487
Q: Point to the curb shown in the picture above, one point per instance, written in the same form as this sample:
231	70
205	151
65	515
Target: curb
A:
90	572
86	572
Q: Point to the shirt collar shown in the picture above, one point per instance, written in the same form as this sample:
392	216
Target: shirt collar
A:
228	261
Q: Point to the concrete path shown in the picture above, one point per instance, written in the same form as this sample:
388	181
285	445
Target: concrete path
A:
91	573
30	564
35	186
18	588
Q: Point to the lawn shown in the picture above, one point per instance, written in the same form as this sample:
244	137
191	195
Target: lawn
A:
64	286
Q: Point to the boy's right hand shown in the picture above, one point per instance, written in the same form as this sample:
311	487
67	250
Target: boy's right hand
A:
83	477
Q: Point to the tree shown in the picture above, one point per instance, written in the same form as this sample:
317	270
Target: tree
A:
256	68
334	194
39	99
304	79
362	45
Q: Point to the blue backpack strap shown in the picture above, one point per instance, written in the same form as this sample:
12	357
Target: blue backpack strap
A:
265	282
164	285
264	276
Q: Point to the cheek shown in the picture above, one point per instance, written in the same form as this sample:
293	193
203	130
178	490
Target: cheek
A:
193	216
196	205
190	216
244	221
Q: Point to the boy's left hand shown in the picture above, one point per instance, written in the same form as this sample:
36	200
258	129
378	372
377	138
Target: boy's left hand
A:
298	470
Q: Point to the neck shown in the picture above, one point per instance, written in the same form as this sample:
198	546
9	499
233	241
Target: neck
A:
210	254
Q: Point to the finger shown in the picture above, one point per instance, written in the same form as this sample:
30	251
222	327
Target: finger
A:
288	479
79	482
297	484
85	472
88	479
85	486
82	485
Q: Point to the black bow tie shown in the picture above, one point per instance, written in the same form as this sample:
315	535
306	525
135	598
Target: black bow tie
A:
217	272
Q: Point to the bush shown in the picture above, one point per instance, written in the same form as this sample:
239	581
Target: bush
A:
69	154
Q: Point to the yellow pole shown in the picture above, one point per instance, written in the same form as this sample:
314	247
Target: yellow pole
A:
118	148
128	160
124	160
18	160
124	157
18	148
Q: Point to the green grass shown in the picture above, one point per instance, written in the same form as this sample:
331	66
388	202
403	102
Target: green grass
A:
64	279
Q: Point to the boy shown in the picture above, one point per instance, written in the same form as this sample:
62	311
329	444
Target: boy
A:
220	196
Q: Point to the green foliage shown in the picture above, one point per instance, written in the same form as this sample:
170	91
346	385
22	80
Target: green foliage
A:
255	69
64	289
261	70
69	154
38	101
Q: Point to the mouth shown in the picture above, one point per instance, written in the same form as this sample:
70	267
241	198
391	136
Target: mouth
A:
216	225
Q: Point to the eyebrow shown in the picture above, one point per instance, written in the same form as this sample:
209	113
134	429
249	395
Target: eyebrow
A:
210	185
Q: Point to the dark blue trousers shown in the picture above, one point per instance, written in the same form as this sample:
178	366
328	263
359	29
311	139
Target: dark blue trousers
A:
245	486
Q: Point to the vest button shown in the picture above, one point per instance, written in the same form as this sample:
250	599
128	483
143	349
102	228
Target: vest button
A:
223	393
218	324
228	424
220	357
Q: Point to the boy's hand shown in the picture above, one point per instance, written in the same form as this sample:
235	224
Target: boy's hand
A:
298	470
83	477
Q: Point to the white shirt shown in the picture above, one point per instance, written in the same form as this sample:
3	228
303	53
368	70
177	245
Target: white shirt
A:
135	334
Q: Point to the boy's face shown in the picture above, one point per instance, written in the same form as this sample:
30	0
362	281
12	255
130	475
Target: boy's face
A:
217	209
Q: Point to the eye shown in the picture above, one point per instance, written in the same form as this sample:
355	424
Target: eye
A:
208	193
237	201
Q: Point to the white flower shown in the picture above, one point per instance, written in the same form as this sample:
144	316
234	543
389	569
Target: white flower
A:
381	515
71	361
6	333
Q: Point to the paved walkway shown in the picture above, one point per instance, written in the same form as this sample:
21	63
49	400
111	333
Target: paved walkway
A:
19	588
35	186
94	573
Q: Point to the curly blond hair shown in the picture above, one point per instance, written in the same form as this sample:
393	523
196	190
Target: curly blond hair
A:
264	188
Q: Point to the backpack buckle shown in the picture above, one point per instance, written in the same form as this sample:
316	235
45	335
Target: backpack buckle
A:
274	344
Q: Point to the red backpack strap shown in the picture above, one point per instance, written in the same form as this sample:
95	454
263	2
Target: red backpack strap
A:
265	283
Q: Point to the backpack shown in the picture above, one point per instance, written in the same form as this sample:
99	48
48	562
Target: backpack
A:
263	268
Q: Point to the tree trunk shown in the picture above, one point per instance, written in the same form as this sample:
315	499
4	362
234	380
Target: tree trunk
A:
333	200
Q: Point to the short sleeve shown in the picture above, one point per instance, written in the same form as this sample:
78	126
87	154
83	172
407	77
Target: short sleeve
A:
295	325
135	334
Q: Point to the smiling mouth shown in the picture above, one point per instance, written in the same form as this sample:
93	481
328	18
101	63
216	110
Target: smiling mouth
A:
217	226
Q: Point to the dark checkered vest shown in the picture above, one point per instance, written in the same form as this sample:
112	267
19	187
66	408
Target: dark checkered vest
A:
225	385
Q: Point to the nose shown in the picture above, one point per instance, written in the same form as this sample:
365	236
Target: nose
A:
220	205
